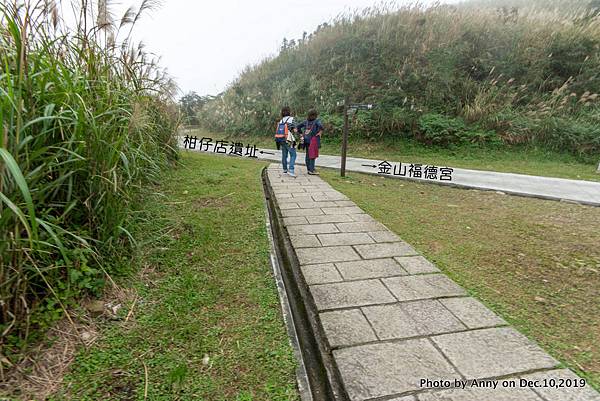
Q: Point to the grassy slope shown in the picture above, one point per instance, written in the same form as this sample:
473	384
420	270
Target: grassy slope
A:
207	289
526	76
521	160
537	263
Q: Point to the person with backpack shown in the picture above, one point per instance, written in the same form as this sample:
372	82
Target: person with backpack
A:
285	140
312	130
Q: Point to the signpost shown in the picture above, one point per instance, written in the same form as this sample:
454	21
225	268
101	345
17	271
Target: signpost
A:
349	108
344	138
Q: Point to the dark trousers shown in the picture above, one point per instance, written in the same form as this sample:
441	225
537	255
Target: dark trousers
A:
310	163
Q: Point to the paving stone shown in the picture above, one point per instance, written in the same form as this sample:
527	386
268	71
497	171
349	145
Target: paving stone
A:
310	187
346	327
312	229
384	236
345	203
342	210
282	187
305	241
472	312
349	294
361	227
329	218
410	288
283	196
299	212
320	274
586	393
377	370
288	205
289	191
332	192
309	256
345	239
406	398
302	198
372	268
385	250
329	196
481	394
417	264
492	352
411	319
362	217
290	221
315	205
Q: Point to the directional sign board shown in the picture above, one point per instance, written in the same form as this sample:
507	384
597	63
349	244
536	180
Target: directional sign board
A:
356	106
362	106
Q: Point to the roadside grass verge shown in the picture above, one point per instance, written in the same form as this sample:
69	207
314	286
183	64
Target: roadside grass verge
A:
535	262
520	160
207	323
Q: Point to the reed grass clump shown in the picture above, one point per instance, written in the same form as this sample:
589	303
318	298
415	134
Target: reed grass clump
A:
514	72
86	122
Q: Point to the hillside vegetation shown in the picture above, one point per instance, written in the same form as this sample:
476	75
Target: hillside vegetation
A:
86	122
497	73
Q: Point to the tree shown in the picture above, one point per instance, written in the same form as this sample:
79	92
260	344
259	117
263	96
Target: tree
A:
190	104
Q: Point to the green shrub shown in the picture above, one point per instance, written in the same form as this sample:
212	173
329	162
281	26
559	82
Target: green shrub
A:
438	129
576	136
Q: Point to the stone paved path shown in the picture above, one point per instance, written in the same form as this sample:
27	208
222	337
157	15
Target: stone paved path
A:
586	192
392	319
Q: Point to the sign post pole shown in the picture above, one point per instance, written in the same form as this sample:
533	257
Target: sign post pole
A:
345	138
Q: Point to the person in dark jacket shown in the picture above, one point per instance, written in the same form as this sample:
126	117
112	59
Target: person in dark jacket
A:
312	130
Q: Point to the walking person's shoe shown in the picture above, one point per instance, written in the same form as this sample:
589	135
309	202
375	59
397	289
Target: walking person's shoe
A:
285	172
291	174
313	173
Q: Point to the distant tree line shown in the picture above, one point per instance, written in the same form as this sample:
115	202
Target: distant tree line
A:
189	106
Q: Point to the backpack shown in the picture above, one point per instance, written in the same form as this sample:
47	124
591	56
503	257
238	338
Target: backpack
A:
282	130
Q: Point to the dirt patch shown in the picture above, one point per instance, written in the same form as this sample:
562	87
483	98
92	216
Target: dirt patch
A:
41	371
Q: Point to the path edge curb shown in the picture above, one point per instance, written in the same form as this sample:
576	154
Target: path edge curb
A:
302	381
324	379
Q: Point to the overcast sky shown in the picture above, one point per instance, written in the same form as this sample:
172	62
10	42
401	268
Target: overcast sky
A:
205	44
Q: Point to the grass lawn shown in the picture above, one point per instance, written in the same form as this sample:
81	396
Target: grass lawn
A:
207	322
535	262
521	160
